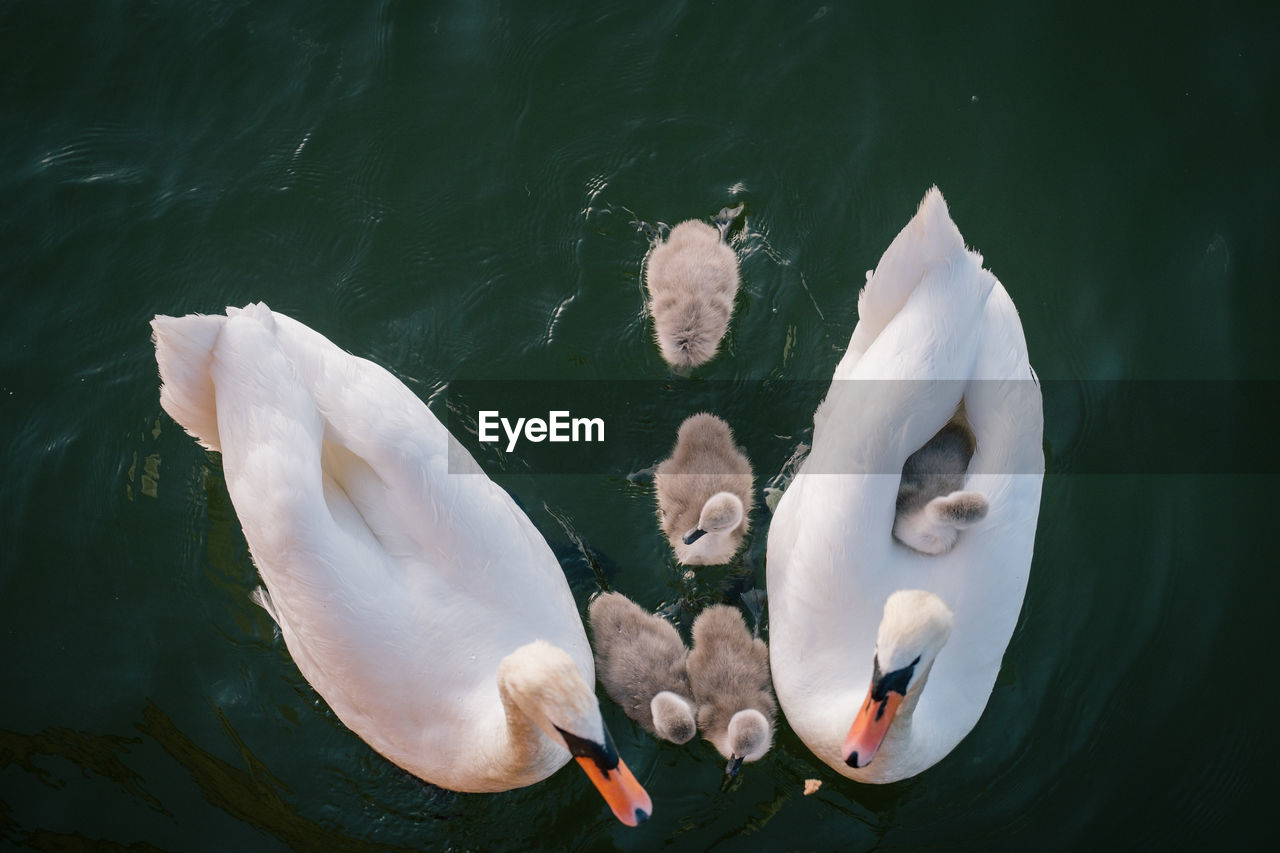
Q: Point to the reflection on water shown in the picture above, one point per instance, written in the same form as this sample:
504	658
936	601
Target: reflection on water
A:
100	755
254	795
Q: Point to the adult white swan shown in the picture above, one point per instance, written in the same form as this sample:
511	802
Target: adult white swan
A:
883	658
411	591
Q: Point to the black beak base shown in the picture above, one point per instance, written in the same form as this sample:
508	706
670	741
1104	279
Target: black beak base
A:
697	534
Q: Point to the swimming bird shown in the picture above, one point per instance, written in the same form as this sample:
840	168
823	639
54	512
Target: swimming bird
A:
704	491
729	673
933	505
640	659
423	606
935	331
692	278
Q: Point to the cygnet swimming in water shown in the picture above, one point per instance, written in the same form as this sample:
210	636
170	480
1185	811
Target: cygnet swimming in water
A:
729	674
704	493
932	505
640	660
692	279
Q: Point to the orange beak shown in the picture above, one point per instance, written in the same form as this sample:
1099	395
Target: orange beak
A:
869	728
628	799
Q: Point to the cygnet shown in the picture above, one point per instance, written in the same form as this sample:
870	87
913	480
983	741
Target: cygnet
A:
932	505
692	279
640	660
729	674
704	493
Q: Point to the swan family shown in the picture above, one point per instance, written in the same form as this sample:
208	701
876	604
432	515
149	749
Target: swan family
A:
433	618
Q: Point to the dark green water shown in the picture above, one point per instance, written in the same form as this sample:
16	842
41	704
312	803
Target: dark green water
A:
448	189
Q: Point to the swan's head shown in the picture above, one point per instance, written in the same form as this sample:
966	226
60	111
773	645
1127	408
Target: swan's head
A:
673	717
915	627
722	513
545	684
748	738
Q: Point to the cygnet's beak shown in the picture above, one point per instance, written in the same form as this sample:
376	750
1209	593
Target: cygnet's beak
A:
734	765
606	770
694	536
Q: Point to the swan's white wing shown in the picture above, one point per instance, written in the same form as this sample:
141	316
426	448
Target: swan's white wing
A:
426	499
927	240
399	574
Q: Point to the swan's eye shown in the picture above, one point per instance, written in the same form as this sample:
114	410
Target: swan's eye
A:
604	756
896	681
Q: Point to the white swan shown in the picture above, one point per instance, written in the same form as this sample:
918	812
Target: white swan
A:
640	659
692	278
411	591
704	492
934	329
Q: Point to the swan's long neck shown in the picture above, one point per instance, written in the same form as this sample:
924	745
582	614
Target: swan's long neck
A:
540	687
521	743
503	747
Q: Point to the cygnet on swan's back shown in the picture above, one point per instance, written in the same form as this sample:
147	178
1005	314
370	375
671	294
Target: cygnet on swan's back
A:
729	674
705	492
692	279
932	505
640	660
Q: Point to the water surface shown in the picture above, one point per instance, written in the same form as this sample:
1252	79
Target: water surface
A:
449	189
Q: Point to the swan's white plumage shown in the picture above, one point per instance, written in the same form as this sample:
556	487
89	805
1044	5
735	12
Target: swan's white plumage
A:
401	576
934	327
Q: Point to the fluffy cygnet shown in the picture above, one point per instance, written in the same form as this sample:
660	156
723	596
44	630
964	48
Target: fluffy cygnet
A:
704	493
932	506
729	674
640	660
692	279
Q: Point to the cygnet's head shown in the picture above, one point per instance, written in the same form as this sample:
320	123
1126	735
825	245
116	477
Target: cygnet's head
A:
915	626
749	737
673	717
935	527
722	513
